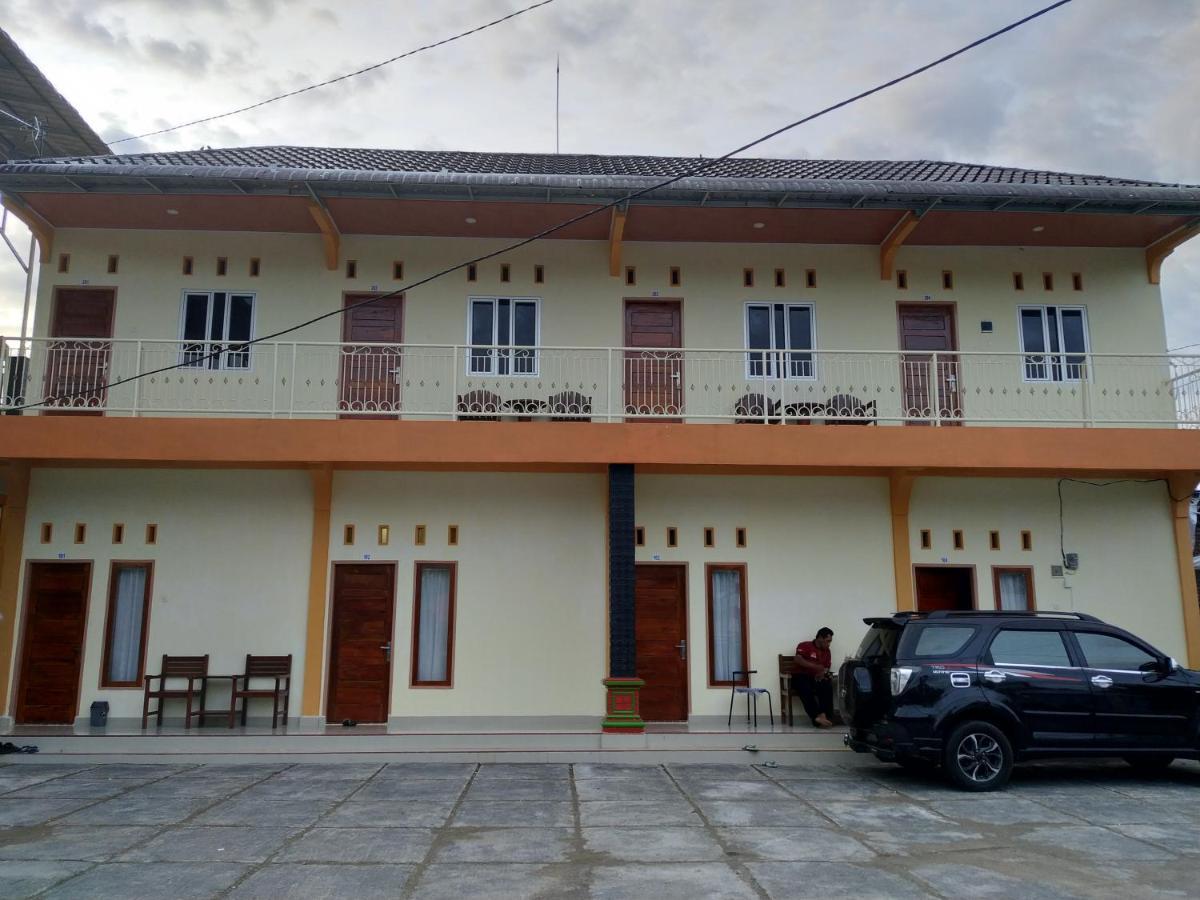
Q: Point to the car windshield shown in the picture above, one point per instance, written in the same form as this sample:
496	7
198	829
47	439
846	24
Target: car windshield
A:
880	642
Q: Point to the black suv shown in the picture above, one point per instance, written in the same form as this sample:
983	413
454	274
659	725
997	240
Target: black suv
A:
975	691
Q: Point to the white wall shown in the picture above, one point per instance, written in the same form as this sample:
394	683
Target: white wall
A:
531	607
1123	534
230	564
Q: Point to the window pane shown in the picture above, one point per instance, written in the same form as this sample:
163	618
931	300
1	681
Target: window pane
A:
127	613
800	365
780	330
943	640
726	623
1104	651
481	333
216	330
1014	590
195	327
503	323
241	307
1074	342
433	639
524	335
1030	648
1033	340
758	336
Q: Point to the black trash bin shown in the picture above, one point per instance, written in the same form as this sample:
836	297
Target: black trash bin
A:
99	714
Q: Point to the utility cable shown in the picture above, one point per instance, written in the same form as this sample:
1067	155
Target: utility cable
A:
700	167
337	78
1062	528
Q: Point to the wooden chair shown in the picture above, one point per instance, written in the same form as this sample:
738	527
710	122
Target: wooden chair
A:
846	409
192	668
570	406
787	665
754	409
277	667
480	405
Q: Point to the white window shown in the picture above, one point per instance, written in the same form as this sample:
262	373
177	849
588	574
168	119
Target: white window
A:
216	326
503	333
779	327
1054	340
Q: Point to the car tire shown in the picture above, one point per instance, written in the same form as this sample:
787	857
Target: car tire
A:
978	757
1150	763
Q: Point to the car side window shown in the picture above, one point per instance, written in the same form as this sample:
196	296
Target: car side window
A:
942	640
1107	651
1029	647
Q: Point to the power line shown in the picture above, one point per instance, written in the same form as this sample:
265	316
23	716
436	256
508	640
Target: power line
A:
701	166
337	78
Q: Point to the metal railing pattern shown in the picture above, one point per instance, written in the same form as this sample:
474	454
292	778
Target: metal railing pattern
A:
439	381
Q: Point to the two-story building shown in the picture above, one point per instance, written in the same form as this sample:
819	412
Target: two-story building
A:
664	443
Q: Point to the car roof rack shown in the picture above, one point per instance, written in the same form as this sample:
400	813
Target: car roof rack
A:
1025	614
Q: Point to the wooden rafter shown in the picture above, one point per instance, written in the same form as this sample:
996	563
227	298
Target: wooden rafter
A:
616	229
891	244
1165	246
42	230
330	236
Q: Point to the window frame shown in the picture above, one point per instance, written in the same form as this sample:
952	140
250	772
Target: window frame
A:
986	658
1027	571
1152	652
221	361
496	350
771	356
420	566
110	620
1053	361
709	569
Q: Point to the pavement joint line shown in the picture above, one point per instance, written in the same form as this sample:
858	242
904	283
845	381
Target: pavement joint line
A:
577	816
439	835
156	833
734	861
252	868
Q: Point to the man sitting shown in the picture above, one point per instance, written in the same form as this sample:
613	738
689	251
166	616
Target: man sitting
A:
812	680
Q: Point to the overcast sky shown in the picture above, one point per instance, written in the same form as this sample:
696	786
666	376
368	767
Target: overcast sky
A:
1101	86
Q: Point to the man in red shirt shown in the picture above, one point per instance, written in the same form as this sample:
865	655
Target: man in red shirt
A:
812	680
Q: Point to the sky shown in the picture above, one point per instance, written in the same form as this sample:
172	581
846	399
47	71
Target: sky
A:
1107	87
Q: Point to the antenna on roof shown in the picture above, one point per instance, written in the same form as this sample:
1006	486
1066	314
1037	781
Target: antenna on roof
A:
556	83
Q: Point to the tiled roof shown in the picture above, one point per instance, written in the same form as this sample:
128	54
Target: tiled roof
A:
454	162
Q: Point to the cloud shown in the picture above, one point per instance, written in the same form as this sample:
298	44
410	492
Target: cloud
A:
191	58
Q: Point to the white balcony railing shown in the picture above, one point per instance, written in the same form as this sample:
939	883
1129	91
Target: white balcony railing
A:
441	381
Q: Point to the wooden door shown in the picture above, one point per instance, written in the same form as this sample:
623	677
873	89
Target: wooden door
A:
945	587
653	364
360	642
924	330
52	646
660	628
370	375
77	361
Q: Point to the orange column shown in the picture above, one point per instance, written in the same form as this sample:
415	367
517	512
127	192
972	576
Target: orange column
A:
318	573
1182	484
12	539
900	487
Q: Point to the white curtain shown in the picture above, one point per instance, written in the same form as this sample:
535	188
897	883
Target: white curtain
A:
126	648
433	643
727	623
1013	591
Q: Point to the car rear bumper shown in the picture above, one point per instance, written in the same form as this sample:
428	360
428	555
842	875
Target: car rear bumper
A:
890	741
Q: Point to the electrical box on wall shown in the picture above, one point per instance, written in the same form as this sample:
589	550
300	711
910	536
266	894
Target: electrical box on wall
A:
1056	571
1071	561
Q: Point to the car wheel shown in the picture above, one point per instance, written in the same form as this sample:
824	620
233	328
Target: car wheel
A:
978	757
1151	762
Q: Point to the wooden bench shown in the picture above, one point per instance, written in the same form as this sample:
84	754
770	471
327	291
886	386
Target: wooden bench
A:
192	668
276	667
787	664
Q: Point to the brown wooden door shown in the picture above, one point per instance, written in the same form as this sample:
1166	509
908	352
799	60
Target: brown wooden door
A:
660	628
924	330
654	375
370	376
360	637
78	370
52	647
945	587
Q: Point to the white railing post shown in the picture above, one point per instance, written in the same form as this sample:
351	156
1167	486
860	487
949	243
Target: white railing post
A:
137	381
292	385
608	389
765	402
935	390
1085	376
274	376
453	406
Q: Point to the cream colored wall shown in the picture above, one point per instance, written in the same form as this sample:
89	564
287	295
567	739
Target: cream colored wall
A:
1123	534
582	306
819	554
531	607
230	564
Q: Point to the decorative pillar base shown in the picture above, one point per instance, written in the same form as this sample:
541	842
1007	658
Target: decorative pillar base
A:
623	713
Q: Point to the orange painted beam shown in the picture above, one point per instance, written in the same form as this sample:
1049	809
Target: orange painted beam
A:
892	243
1164	247
572	446
42	229
1182	484
331	238
314	640
900	485
12	539
616	229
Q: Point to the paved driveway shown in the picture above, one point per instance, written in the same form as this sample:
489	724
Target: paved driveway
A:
543	830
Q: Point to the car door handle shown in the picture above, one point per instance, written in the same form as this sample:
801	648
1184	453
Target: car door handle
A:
995	676
1102	681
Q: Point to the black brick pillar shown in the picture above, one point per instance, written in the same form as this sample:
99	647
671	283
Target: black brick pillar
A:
622	659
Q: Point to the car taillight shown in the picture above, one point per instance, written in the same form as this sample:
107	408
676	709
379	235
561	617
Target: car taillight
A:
900	678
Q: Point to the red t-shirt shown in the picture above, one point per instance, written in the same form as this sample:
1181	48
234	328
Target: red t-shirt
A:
813	653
